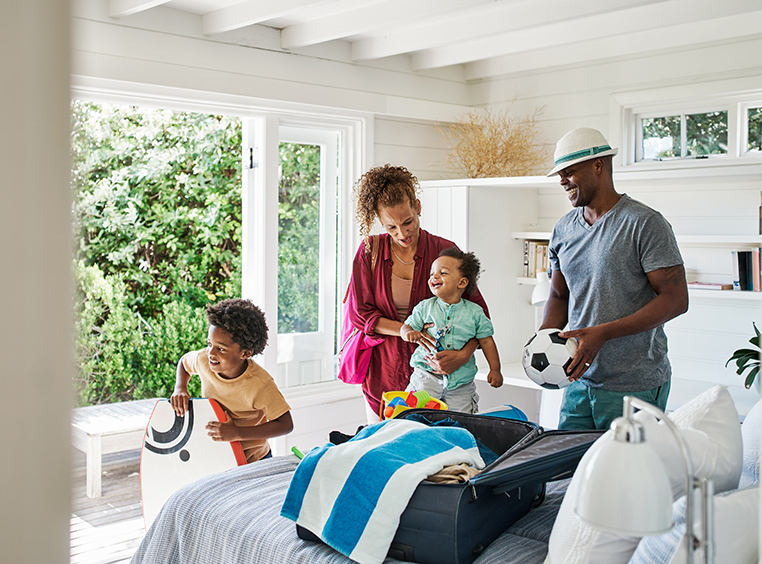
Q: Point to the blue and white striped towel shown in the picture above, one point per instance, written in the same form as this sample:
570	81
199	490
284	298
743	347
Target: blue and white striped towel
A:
352	495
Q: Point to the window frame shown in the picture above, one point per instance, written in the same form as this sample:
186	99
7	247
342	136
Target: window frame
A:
682	114
627	108
261	183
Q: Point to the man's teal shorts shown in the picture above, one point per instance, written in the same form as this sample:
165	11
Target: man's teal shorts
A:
585	408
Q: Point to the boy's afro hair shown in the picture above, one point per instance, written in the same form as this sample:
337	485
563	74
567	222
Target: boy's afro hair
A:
470	267
243	320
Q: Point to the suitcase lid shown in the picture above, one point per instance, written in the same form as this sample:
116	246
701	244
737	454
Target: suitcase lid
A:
499	434
548	456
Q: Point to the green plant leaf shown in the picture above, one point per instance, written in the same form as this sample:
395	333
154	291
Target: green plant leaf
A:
751	376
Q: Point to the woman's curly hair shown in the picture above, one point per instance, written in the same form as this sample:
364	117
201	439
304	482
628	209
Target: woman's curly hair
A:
470	267
243	320
382	187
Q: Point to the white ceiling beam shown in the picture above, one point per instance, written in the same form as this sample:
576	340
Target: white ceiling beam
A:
124	8
248	13
633	20
681	36
484	21
369	17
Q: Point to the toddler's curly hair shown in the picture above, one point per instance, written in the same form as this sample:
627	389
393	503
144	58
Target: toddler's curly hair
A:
243	320
382	187
470	267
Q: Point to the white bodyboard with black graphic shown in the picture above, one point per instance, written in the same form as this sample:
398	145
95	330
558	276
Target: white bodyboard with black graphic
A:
178	451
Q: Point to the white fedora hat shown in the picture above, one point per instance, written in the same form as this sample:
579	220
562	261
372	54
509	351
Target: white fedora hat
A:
579	145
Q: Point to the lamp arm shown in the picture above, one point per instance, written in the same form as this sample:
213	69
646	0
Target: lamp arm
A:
691	542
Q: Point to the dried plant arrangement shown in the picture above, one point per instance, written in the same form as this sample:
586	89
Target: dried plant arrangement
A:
490	144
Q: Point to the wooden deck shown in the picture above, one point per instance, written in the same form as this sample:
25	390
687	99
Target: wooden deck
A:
108	529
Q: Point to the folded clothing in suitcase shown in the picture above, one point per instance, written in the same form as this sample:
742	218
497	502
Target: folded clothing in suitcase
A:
454	523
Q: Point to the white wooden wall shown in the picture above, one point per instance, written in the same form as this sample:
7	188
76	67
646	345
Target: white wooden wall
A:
581	96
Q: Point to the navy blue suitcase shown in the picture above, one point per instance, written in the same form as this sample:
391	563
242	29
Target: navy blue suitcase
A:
454	523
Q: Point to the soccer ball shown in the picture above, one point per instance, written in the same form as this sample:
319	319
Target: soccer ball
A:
546	357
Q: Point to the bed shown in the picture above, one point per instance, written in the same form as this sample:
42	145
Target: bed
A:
234	517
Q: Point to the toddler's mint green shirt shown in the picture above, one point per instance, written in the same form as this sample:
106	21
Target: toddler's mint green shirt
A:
468	321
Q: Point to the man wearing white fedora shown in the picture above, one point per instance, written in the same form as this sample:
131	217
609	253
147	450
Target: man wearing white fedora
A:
617	277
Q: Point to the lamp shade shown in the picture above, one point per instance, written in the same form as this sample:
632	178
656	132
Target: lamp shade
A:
625	489
541	291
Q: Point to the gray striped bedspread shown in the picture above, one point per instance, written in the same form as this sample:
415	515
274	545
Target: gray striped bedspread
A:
234	518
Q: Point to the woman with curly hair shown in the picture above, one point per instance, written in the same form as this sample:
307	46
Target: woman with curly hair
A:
386	292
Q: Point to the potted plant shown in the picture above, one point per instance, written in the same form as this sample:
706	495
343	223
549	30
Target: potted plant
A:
748	359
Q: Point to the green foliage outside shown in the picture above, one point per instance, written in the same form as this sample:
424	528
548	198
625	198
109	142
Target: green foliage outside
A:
755	129
662	128
157	221
706	134
298	238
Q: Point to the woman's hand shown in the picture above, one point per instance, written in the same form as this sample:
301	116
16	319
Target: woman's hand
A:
446	362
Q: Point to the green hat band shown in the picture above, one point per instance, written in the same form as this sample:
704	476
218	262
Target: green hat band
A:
584	153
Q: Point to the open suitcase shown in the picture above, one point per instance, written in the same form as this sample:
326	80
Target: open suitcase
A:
454	523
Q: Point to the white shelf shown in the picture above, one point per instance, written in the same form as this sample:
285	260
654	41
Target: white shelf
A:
514	376
699	240
532	235
720	240
725	295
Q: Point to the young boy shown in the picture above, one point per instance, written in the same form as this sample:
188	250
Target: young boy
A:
257	409
454	322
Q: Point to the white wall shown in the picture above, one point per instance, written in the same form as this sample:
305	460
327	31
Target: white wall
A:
35	292
581	96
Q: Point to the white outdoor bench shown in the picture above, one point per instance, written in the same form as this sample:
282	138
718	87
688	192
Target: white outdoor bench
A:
106	428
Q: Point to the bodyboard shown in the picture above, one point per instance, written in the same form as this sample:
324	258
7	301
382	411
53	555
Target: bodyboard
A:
178	450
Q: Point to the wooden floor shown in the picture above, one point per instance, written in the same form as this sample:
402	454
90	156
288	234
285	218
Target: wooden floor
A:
108	529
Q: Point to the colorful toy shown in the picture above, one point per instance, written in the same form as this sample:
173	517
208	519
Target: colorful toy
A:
395	403
439	334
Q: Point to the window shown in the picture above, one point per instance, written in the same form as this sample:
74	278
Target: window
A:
296	228
298	238
754	129
307	255
710	123
695	135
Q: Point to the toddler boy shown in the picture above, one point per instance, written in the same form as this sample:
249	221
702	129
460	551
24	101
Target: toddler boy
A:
453	322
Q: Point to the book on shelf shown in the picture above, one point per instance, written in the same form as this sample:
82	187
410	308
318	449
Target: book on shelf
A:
709	286
746	270
535	257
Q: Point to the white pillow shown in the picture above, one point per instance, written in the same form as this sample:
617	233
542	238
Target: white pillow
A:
736	522
711	427
750	432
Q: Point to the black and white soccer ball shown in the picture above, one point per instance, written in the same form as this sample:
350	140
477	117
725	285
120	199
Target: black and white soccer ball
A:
547	356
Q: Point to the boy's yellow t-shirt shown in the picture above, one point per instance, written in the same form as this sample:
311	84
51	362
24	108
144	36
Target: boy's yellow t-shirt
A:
251	399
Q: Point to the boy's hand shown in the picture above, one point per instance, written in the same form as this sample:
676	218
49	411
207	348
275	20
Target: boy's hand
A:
179	401
222	431
495	378
418	337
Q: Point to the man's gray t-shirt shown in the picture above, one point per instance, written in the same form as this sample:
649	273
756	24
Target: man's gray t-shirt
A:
605	266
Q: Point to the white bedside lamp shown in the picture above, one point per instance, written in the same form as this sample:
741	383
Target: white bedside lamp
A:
540	295
626	489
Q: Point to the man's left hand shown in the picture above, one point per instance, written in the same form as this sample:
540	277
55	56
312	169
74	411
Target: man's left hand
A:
590	339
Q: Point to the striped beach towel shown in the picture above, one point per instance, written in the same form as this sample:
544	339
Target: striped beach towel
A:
352	495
